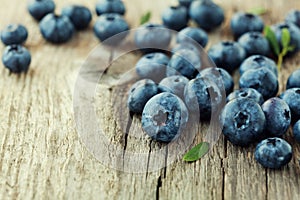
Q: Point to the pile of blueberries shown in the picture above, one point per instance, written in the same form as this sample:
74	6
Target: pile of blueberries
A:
175	85
59	29
172	88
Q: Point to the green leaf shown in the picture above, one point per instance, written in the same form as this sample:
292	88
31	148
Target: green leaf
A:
271	37
145	18
285	38
196	152
258	11
291	48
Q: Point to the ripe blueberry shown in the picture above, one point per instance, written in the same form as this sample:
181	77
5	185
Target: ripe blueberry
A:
140	93
173	84
80	16
243	121
294	80
16	58
193	34
293	17
40	8
292	98
164	117
296	131
175	17
246	93
273	153
110	6
14	34
255	44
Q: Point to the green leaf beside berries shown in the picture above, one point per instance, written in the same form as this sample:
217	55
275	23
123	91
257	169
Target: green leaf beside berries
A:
145	18
284	43
258	11
196	152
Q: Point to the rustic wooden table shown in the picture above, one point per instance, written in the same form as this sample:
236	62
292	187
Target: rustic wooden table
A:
42	156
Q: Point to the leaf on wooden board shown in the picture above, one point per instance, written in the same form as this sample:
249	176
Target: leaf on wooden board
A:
258	11
196	152
271	37
145	18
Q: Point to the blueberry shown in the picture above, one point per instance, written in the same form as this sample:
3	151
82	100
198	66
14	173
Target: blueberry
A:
227	55
221	77
164	117
255	44
56	29
294	33
258	61
140	93
206	14
203	97
152	37
292	98
296	131
175	17
108	25
16	58
40	8
174	84
184	62
193	34
294	80
262	79
14	34
185	3
243	121
273	153
80	16
278	116
242	23
246	93
152	66
293	17
110	6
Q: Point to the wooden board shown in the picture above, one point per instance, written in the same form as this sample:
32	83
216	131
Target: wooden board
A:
42	156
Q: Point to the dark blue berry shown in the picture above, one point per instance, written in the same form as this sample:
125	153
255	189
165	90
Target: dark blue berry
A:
278	116
273	153
227	55
14	34
186	46
206	14
292	98
242	22
175	17
184	62
258	61
80	16
56	29
203	97
191	34
255	44
110	6
261	79
174	84
220	76
40	8
294	80
296	131
108	25
16	58
140	93
294	33
243	121
293	17
152	37
164	117
152	66
246	93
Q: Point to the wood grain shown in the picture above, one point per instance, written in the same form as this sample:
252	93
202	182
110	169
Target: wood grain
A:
42	156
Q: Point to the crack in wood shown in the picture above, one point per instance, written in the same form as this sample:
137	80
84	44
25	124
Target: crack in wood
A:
223	169
148	160
266	171
158	186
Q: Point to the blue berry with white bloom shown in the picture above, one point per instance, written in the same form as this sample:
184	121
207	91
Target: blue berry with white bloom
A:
296	131
175	17
191	34
294	80
40	8
110	6
255	44
80	16
273	153
14	34
246	93
16	58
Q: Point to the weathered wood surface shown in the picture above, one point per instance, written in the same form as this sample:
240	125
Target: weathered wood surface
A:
42	156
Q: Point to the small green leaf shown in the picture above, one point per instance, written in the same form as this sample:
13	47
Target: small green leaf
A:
196	152
145	18
258	11
271	37
285	38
